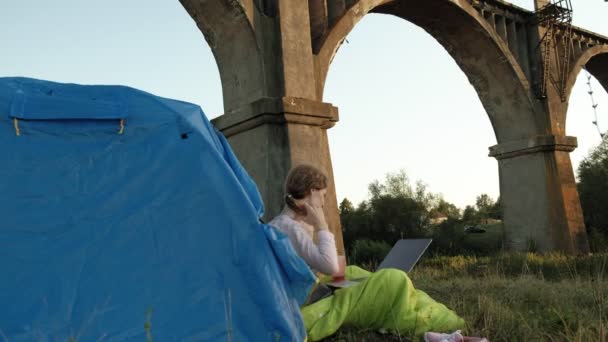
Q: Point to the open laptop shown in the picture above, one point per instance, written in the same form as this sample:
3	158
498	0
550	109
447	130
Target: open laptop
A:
403	256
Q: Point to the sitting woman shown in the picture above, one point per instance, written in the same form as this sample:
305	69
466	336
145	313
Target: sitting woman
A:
384	300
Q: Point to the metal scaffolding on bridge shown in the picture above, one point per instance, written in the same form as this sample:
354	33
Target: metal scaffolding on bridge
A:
556	17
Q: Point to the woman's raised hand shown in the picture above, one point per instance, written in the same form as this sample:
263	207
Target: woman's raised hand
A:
315	217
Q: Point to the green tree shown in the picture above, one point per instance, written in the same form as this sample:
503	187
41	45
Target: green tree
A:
397	209
446	208
395	185
496	210
448	238
355	222
346	211
593	192
470	215
346	207
395	217
484	205
485	208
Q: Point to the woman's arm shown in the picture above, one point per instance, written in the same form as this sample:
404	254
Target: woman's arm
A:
322	257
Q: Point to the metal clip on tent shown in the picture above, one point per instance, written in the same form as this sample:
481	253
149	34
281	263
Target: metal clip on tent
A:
16	124
122	127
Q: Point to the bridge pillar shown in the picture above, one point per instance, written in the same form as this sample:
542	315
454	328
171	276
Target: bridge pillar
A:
541	207
273	134
274	118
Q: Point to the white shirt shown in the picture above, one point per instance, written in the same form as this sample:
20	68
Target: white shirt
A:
322	257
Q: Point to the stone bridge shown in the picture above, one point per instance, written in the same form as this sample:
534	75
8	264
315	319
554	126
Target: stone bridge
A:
274	55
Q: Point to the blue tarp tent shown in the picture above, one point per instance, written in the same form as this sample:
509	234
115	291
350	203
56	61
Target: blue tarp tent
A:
125	216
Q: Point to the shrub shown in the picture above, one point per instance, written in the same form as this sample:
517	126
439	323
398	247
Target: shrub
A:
593	192
368	253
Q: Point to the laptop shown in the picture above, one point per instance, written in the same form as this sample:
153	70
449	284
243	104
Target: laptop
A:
403	256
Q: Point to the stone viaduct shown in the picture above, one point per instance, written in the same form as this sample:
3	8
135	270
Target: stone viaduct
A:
273	57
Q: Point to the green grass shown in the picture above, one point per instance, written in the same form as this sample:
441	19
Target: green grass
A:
489	241
516	297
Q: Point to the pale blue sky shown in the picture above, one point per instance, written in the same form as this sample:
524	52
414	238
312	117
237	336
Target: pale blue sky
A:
404	103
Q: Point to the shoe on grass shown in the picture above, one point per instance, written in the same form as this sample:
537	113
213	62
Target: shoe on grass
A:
439	337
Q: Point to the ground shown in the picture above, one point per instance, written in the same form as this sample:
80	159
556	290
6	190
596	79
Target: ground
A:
515	297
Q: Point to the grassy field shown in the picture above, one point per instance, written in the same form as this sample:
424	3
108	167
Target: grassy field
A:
515	297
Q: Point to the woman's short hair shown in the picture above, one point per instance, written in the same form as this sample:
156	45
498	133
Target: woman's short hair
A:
301	180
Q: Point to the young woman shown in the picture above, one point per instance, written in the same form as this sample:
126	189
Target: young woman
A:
385	300
303	218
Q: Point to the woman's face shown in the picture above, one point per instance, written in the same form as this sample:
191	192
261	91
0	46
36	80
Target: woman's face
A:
317	198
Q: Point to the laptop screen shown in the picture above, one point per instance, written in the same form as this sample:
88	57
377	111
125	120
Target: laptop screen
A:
405	254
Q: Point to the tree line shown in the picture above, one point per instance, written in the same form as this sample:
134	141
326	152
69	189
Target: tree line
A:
397	208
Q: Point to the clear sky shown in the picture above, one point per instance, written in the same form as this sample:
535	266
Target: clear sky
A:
404	103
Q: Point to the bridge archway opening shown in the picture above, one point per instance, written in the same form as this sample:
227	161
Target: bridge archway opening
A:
581	121
401	109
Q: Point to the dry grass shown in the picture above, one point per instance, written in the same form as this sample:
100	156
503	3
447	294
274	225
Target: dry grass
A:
516	297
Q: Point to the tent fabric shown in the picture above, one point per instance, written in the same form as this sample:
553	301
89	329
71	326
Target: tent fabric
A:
126	217
387	300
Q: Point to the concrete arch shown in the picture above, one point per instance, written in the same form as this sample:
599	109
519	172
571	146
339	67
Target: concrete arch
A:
482	55
595	59
334	38
598	67
229	33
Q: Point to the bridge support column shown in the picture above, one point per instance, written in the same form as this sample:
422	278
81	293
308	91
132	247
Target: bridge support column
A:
271	135
541	208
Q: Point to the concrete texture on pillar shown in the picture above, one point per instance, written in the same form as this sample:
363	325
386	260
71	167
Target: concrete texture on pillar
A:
274	56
